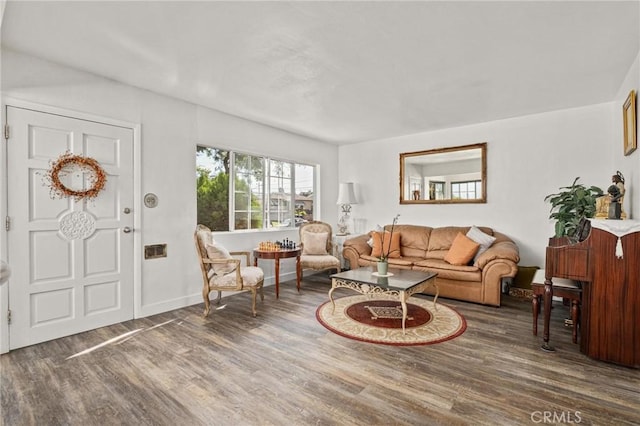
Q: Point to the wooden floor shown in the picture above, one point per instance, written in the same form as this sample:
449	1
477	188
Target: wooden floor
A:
284	368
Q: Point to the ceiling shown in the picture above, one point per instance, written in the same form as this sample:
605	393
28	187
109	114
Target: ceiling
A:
345	72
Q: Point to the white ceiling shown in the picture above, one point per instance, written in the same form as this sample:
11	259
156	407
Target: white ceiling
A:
345	72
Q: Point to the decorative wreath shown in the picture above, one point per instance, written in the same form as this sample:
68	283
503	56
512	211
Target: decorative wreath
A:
97	176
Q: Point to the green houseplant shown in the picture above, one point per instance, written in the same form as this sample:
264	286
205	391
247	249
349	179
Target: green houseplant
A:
570	205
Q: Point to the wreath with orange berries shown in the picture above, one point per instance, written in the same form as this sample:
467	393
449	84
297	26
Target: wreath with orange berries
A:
97	177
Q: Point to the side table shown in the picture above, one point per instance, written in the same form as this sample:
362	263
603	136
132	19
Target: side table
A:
276	255
338	245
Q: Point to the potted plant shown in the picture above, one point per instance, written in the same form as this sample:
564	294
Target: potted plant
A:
383	262
572	204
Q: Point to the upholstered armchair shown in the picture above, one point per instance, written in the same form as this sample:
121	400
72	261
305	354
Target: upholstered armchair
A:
317	246
221	272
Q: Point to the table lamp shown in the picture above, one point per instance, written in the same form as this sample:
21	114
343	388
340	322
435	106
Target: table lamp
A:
346	197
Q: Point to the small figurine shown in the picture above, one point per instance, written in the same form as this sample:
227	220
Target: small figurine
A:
616	194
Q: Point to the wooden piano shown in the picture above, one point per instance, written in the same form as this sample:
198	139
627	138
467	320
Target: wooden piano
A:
606	260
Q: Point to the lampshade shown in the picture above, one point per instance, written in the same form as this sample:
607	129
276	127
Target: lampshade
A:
346	194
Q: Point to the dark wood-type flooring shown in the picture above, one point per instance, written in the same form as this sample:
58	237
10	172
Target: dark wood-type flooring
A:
284	368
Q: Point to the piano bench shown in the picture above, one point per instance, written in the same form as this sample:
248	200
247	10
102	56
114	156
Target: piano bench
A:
567	289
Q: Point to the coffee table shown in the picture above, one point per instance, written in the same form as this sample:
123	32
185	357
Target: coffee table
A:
399	284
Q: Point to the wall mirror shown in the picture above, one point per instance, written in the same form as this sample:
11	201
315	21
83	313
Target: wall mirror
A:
445	175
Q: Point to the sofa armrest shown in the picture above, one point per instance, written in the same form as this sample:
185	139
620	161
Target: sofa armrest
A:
501	250
354	248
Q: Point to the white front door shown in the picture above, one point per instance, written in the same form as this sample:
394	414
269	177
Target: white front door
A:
71	261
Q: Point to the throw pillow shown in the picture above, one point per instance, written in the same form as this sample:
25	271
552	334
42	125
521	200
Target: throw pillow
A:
485	240
314	243
370	240
216	252
391	244
462	250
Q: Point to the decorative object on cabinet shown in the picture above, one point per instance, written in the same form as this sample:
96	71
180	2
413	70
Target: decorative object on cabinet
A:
571	205
346	197
629	122
604	208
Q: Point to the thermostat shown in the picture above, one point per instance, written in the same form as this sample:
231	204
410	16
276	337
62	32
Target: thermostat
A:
150	200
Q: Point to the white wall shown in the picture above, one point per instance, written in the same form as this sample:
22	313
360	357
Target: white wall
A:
528	158
170	131
629	165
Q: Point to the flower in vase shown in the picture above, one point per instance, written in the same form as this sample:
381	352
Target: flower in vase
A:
385	255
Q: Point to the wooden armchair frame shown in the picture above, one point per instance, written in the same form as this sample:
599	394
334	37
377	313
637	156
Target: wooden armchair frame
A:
206	265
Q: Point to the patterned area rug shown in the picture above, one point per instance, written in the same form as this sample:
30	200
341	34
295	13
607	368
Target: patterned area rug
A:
380	321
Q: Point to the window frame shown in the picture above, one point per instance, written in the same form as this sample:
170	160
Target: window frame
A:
265	198
477	185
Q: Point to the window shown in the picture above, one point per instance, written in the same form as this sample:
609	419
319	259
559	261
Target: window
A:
248	191
267	193
436	190
469	190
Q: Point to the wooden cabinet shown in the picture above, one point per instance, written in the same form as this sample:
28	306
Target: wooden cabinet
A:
610	323
607	263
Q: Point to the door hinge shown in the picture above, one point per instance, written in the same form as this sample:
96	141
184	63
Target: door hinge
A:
6	131
7	223
9	316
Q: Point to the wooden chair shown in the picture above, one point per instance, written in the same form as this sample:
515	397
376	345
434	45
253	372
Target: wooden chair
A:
221	272
317	245
567	289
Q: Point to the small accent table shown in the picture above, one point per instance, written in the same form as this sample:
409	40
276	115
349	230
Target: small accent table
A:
277	255
400	285
338	246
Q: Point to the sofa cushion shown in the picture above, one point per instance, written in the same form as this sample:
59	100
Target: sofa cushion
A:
448	271
462	250
414	239
485	240
391	244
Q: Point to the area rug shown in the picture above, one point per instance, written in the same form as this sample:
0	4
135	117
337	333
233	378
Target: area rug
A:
370	320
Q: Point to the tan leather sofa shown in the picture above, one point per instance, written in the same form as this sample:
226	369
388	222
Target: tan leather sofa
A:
423	248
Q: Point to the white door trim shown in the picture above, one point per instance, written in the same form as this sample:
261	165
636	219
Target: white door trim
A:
137	201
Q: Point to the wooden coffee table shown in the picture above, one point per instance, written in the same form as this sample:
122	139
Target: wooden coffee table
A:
400	284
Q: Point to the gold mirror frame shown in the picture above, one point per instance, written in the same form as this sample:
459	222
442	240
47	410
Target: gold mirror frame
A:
413	190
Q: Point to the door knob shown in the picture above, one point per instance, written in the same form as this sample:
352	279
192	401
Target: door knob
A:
126	230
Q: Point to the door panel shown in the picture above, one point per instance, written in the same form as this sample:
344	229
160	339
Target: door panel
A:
72	264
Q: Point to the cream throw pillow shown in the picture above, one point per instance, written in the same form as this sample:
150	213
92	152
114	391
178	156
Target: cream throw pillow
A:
216	252
314	243
485	240
462	250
